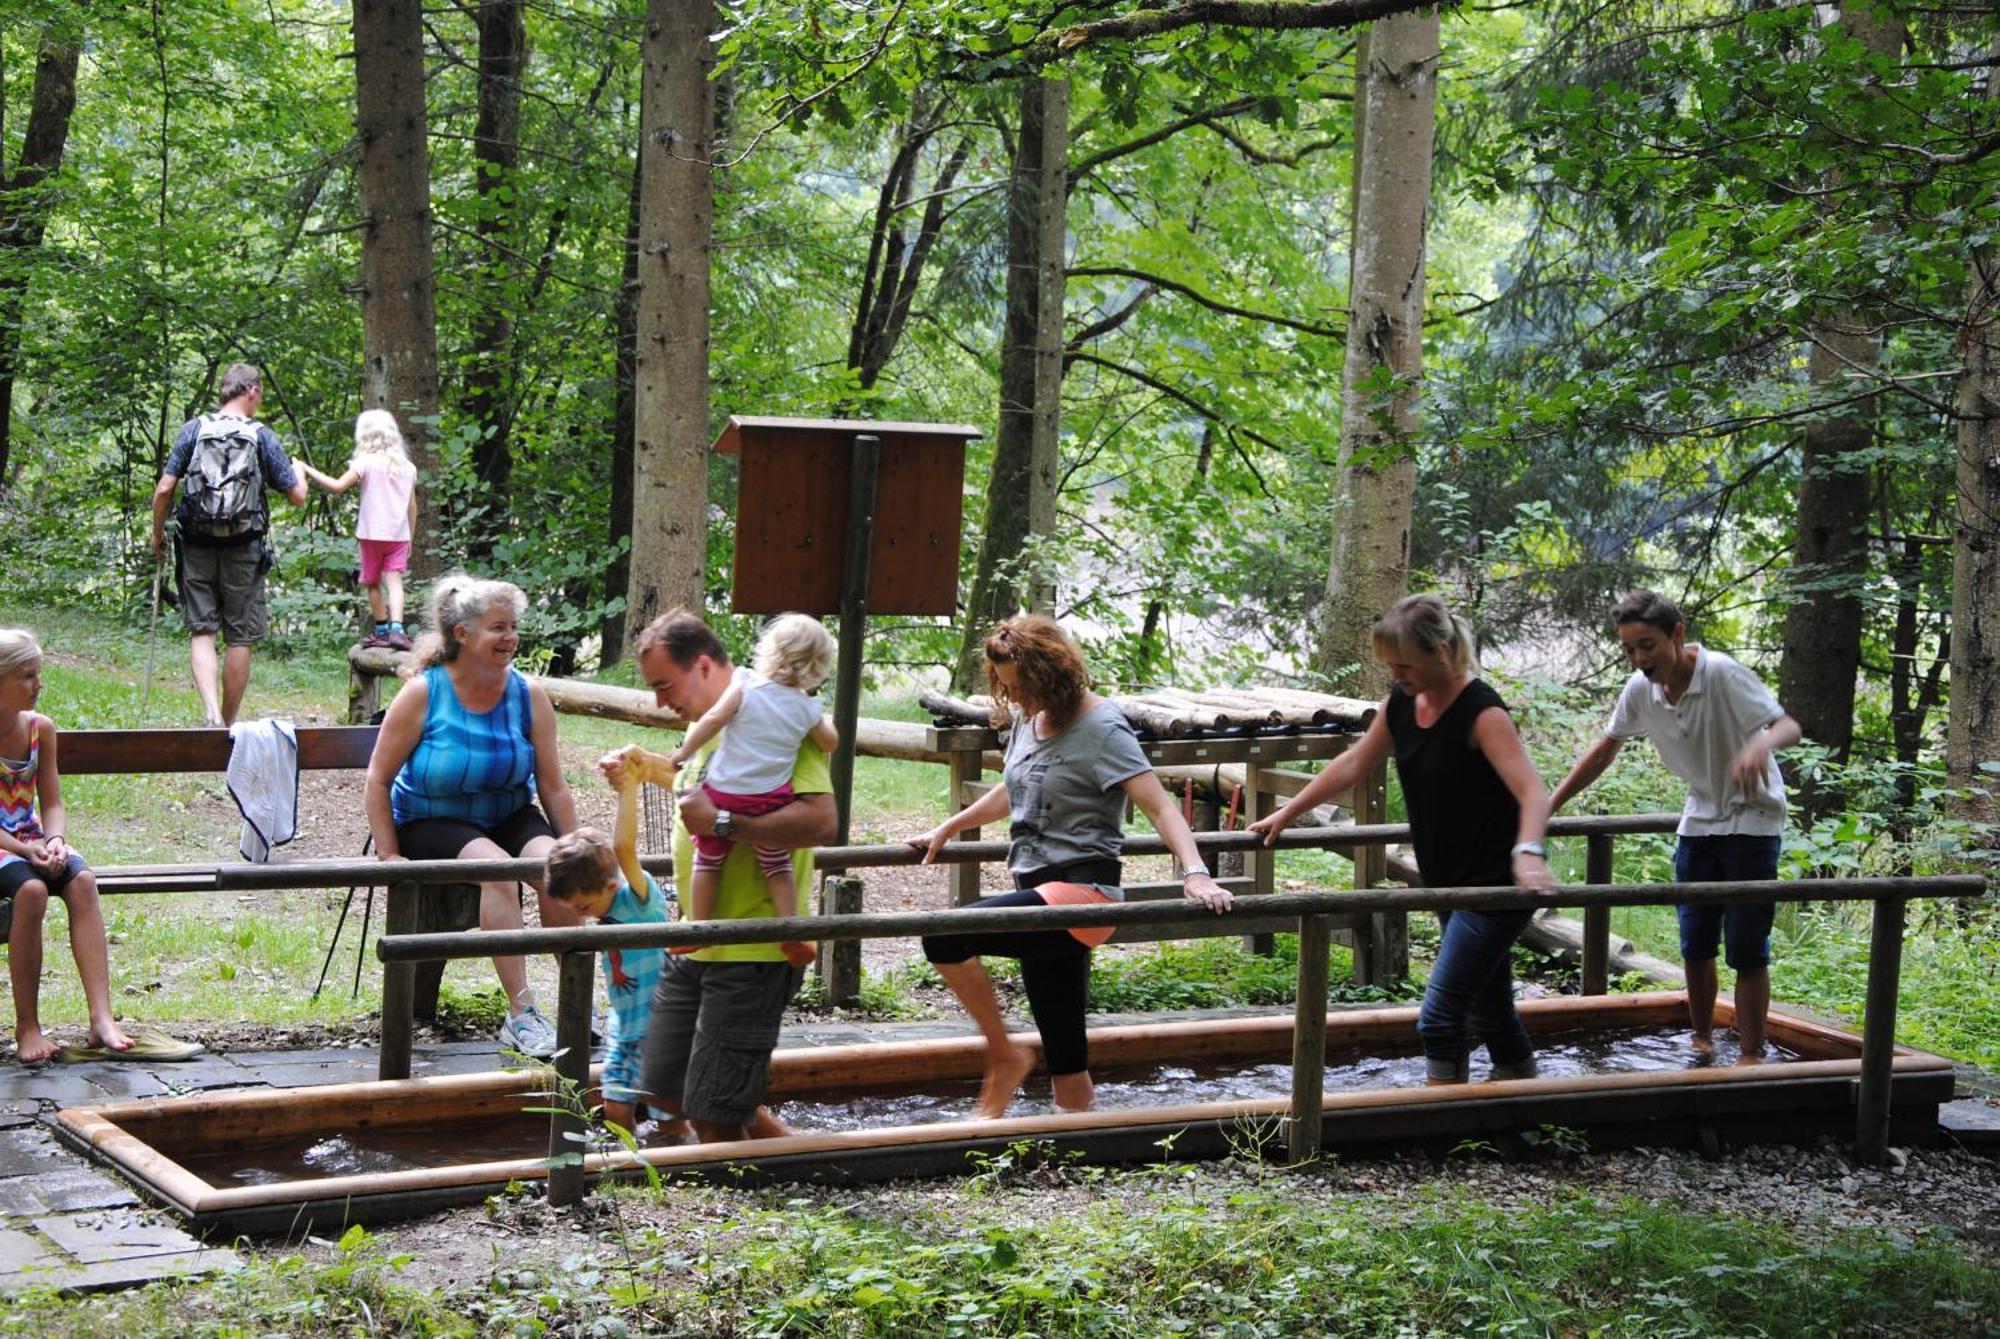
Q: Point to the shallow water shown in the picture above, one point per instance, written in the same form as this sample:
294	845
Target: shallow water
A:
350	1153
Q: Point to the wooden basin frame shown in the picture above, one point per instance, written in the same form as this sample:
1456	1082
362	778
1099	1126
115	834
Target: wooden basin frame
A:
1777	1102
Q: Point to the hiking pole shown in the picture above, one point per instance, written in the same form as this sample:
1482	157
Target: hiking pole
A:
152	638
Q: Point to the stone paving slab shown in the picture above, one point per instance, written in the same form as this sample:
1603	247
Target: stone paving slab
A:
1973	1122
66	1084
24	1252
131	1233
63	1190
30	1149
109	1274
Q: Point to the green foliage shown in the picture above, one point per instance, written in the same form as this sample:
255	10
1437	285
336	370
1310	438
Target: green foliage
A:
1213	973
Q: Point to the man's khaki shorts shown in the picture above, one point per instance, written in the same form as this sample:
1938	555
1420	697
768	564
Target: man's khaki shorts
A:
222	588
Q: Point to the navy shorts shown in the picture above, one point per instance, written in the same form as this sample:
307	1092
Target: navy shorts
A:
17	872
1743	930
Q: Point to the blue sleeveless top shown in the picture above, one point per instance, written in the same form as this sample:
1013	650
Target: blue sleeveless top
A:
474	766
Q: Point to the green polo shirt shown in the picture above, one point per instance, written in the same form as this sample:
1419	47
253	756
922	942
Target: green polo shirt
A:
743	895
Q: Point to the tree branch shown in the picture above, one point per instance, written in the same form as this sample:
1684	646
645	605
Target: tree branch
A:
1213	304
1276	15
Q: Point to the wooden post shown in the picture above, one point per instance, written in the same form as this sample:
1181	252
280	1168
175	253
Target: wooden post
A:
1385	959
966	768
399	985
867	458
568	1141
1302	1131
1261	865
364	694
842	957
1597	920
1878	1033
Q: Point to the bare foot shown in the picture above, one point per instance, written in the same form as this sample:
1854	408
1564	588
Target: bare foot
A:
1704	1043
764	1125
32	1048
1006	1068
1749	1058
110	1036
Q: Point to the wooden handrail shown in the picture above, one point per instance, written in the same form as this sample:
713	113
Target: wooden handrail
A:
899	925
235	877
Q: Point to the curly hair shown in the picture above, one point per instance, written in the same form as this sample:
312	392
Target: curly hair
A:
796	651
1049	668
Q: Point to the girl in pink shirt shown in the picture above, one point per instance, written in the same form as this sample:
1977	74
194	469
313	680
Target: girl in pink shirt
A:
387	520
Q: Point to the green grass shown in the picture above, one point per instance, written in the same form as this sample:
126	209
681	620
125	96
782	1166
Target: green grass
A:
1159	1252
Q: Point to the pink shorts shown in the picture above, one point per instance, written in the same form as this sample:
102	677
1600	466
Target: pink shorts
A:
383	555
710	850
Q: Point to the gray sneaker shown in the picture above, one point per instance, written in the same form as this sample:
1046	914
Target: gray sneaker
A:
530	1034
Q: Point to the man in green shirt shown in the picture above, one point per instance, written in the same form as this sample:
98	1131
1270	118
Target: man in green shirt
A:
716	1012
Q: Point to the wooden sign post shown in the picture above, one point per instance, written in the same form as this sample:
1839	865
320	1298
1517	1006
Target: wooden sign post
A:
847	517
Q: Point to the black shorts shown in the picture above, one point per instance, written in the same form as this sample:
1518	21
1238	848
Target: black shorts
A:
444	838
17	872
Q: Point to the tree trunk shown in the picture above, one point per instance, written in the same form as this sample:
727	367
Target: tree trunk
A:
1021	494
398	295
496	153
1822	638
24	211
1974	735
670	415
625	329
1395	115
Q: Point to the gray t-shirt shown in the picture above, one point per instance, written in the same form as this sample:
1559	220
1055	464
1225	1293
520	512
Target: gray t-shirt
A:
1067	805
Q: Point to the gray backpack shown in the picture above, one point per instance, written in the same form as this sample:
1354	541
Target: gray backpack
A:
222	494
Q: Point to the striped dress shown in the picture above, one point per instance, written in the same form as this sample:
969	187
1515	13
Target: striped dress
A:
478	767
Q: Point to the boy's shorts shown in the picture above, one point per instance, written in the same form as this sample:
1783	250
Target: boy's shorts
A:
383	555
1743	929
709	1043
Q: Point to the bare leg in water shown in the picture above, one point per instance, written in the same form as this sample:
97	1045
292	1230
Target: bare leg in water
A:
1007	1062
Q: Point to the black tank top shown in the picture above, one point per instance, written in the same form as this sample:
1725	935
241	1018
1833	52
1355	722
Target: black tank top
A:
1462	816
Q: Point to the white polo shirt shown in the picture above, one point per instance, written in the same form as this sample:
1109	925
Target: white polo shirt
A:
1698	737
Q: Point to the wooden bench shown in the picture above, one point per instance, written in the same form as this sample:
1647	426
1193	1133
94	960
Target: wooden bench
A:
183	752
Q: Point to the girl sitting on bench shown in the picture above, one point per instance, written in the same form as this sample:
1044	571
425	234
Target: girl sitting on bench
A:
36	861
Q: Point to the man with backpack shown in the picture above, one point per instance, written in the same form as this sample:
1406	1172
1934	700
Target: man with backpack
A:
222	462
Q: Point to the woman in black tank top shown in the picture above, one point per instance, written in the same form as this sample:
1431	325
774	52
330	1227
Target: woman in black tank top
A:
1478	810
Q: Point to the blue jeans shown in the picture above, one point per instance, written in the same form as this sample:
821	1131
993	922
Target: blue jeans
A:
1743	929
1472	990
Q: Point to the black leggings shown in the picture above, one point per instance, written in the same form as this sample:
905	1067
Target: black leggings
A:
1055	965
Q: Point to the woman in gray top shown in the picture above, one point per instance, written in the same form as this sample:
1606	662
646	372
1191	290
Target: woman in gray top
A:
1072	763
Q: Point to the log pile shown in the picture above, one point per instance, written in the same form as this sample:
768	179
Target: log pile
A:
1173	713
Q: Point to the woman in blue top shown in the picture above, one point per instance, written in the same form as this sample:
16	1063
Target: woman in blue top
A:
462	752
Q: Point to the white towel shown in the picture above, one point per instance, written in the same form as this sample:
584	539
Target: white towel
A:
263	779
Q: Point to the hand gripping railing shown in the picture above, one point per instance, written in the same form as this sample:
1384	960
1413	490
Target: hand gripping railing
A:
575	947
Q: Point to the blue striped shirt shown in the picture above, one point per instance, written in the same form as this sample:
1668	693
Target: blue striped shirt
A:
475	766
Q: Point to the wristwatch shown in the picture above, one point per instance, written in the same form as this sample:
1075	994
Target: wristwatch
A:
1186	872
725	822
1530	848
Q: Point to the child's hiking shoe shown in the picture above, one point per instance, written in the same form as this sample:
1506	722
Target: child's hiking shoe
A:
530	1034
396	641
